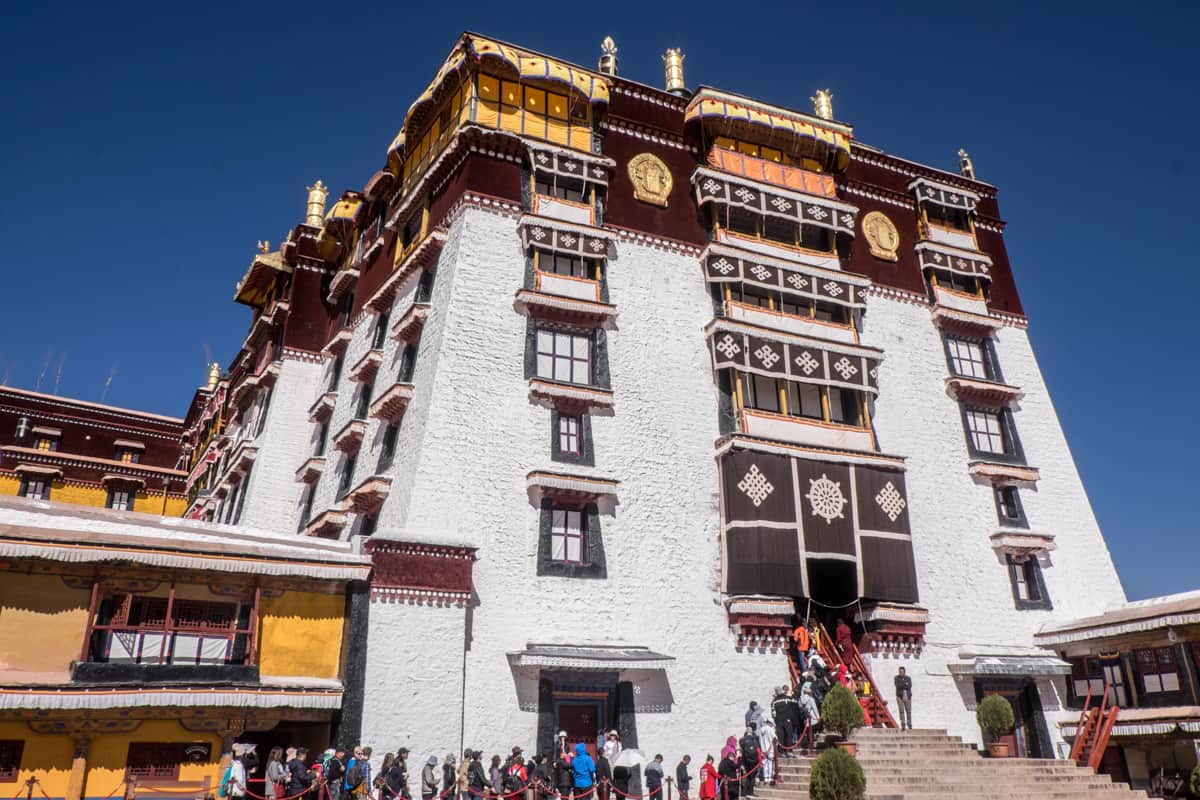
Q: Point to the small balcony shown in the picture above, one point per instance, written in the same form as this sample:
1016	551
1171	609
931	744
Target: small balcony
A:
960	301
801	430
566	286
408	328
790	323
566	210
343	279
327	525
569	397
951	237
392	403
338	344
349	437
310	471
999	473
368	496
364	370
320	411
564	309
978	392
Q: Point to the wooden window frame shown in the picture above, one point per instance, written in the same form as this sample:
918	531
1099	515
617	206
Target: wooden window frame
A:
167	769
1165	661
43	483
1027	572
753	226
746	393
980	434
130	499
570	434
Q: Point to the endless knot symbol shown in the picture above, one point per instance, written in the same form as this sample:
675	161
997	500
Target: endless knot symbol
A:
744	194
755	485
537	233
780	203
891	501
567	239
816	212
874	373
729	346
569	166
597	245
848	220
760	272
826	498
807	363
767	356
723	266
937	257
799	281
845	368
598	172
834	289
542	158
711	186
953	198
962	263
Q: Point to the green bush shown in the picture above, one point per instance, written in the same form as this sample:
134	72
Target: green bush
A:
995	715
841	712
1196	780
836	775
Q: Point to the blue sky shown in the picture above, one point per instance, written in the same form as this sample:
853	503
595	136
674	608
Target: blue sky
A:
147	147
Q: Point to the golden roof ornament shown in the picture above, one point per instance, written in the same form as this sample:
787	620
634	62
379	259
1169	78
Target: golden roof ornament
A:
965	166
823	104
214	375
673	67
317	194
264	247
608	56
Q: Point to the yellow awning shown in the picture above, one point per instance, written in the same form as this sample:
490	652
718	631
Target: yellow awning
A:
831	138
345	210
527	66
255	286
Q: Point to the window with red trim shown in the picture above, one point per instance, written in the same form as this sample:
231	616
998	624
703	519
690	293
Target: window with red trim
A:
153	760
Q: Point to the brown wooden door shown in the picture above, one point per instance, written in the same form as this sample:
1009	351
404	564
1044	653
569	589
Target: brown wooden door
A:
581	722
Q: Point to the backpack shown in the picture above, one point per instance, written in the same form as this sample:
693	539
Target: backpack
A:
223	789
354	777
512	781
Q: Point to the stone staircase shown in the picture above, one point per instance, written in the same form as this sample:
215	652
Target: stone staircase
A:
930	765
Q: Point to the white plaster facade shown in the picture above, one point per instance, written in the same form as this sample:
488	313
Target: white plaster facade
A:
471	435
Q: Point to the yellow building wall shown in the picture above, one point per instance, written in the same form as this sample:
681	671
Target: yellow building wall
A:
82	494
44	608
300	634
48	758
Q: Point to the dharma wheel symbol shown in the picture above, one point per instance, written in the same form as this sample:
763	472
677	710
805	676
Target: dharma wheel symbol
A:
826	498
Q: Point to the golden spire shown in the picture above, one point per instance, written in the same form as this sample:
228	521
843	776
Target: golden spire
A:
214	375
316	204
965	166
673	66
823	104
264	247
608	56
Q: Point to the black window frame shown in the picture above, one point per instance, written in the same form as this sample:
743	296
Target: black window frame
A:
45	483
346	475
1030	568
379	335
1010	496
306	509
594	565
11	753
586	455
335	374
1013	452
110	500
408	363
991	364
362	406
387	445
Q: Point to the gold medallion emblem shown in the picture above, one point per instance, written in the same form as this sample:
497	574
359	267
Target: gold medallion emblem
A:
651	179
881	235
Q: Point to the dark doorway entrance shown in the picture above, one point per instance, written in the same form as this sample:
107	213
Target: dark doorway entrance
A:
1030	738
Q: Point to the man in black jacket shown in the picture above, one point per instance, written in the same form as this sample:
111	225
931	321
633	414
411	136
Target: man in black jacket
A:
683	781
904	699
750	758
335	773
786	711
300	777
477	779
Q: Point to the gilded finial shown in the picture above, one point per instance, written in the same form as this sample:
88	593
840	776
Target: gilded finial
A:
608	56
965	166
264	247
214	375
317	193
673	66
823	104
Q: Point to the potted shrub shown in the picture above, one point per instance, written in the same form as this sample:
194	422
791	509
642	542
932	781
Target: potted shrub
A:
995	717
836	775
842	713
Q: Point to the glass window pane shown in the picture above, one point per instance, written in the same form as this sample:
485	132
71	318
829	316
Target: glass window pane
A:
545	342
766	397
558	547
580	346
574	549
